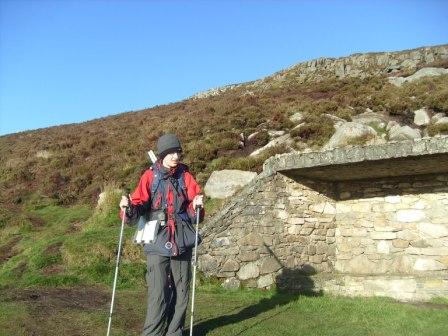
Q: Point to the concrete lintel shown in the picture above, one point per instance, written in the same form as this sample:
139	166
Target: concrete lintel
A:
423	156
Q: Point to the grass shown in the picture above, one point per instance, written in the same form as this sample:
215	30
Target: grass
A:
68	246
59	277
219	313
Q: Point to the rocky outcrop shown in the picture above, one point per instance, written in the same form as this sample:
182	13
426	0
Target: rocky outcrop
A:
363	65
357	65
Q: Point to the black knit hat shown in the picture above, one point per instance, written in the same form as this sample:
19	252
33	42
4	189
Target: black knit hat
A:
168	143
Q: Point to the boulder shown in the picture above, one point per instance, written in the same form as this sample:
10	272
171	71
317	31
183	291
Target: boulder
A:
296	117
436	117
442	121
370	117
276	134
349	132
428	265
252	135
225	183
424	72
284	139
397	81
337	122
399	133
106	195
421	117
391	124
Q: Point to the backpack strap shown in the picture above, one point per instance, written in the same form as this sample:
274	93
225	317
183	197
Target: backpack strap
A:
155	183
177	181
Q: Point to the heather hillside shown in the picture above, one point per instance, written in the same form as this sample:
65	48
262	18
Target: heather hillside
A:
52	234
71	163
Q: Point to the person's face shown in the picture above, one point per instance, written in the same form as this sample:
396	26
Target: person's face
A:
171	160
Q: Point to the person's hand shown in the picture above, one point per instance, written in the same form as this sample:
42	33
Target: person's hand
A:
124	203
198	201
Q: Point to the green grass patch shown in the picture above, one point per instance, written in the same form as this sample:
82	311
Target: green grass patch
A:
220	313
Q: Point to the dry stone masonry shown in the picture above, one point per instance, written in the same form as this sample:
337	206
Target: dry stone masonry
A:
369	220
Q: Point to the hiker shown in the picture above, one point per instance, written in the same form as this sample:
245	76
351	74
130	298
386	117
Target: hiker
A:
167	192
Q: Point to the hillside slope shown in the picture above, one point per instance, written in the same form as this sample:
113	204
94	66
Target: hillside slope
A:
72	163
50	233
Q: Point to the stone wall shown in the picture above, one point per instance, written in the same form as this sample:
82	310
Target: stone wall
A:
393	226
275	229
350	234
396	228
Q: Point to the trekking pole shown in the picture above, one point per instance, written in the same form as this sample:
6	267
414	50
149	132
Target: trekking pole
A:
195	258
116	273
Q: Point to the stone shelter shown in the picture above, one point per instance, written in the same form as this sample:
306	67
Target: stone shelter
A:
358	220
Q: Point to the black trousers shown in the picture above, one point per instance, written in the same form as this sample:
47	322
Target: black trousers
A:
168	280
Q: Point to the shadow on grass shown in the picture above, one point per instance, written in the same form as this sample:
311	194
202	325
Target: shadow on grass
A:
299	279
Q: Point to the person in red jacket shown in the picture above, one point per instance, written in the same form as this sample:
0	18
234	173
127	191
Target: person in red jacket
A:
168	194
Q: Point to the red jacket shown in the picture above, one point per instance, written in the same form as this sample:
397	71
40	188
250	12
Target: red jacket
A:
142	192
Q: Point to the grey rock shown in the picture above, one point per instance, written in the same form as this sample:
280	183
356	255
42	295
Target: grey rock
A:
252	135
421	117
231	283
436	117
225	183
348	132
269	265
391	124
284	139
222	241
230	265
249	256
397	81
276	134
252	239
370	117
400	133
424	72
442	121
296	117
337	122
248	271
44	154
207	263
265	281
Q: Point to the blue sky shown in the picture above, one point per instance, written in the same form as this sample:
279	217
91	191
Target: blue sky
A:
71	61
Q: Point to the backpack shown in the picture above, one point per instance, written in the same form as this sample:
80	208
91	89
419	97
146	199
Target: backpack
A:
185	234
